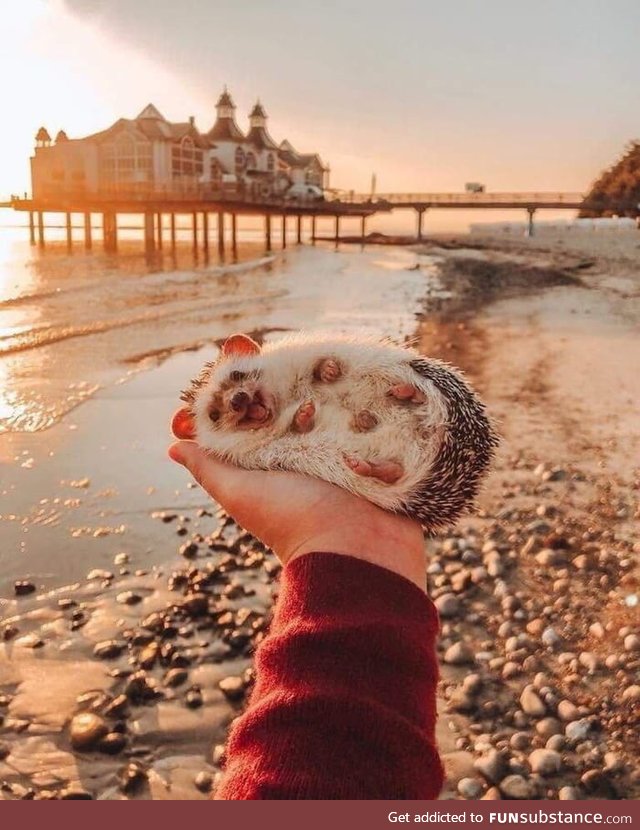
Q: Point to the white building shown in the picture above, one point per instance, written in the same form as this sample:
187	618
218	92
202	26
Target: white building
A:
148	154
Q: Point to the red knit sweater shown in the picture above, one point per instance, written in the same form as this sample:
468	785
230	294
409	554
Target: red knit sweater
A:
344	701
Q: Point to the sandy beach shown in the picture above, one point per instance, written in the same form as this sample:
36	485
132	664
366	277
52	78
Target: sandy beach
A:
140	603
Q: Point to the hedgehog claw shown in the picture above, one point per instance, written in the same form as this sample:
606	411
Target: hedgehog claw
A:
386	471
327	370
407	392
303	420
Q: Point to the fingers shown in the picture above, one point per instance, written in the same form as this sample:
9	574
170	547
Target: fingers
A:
182	424
224	482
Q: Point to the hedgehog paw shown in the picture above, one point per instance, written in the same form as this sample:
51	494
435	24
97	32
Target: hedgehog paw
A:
386	471
407	392
364	421
304	419
327	370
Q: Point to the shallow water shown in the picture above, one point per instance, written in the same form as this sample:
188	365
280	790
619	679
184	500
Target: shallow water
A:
93	353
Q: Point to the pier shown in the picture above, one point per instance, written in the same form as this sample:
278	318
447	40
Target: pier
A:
215	215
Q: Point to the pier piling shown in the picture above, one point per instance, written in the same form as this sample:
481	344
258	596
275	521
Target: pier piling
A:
337	229
32	229
221	233
420	212
149	234
267	230
88	242
205	231
530	225
284	230
194	230
173	231
299	229
313	229
69	230
40	229
159	230
234	234
110	231
363	227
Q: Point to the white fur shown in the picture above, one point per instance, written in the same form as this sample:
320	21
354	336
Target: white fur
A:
408	433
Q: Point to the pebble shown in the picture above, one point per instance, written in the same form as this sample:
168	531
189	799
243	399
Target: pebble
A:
121	559
193	698
550	637
112	743
545	761
128	598
569	794
203	782
108	649
459	654
632	642
23	587
517	787
232	687
578	730
548	727
132	778
73	794
631	693
176	677
469	787
86	730
448	605
493	766
567	711
472	684
531	702
519	740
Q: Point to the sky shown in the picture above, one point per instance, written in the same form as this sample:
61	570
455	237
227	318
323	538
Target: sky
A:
428	94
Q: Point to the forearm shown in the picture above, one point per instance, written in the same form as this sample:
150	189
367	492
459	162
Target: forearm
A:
344	702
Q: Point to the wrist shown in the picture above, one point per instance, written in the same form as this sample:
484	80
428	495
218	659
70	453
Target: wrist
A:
381	538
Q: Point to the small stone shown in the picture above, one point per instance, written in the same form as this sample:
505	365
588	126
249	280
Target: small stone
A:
203	782
459	654
193	698
128	598
632	642
548	727
578	730
189	550
176	677
530	702
149	655
519	740
232	687
472	684
86	730
448	605
597	630
121	559
556	743
567	711
517	787
99	573
196	604
218	755
545	761
108	649
5	751
112	743
550	637
139	688
73	794
23	587
493	766
589	660
549	558
492	794
569	794
116	708
469	787
132	778
631	693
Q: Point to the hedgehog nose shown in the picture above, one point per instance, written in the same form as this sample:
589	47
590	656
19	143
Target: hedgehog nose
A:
240	400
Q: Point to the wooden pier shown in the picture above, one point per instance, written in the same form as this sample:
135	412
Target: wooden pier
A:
218	213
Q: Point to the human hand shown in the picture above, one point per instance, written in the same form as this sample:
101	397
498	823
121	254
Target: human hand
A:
294	514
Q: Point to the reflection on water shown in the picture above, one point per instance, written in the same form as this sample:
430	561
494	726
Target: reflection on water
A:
71	323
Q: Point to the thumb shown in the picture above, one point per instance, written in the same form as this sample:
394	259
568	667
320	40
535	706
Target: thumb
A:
221	480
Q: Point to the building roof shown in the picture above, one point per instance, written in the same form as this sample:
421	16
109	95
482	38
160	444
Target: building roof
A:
260	139
225	129
293	158
152	125
43	134
61	136
225	99
258	110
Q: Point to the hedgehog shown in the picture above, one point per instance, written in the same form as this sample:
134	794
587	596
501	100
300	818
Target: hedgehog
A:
404	431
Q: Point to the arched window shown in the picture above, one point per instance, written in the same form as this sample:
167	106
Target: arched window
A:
251	161
239	158
186	159
216	171
271	162
126	159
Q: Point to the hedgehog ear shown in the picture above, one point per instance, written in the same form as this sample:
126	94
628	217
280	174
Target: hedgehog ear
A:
240	345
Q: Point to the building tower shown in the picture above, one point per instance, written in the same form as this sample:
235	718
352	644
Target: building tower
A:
43	139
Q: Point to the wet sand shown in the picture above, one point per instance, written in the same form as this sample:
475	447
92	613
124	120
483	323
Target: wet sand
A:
536	591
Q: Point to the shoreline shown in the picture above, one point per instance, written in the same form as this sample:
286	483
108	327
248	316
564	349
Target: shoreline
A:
544	495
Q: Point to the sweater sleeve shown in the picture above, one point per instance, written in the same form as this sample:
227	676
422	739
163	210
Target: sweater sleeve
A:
344	704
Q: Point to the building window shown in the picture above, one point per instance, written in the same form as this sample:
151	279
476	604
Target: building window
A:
186	159
239	158
271	162
216	172
126	160
251	161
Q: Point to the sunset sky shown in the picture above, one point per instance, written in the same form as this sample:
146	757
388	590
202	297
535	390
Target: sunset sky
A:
428	94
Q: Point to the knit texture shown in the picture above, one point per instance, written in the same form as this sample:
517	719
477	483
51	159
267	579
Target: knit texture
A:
344	702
